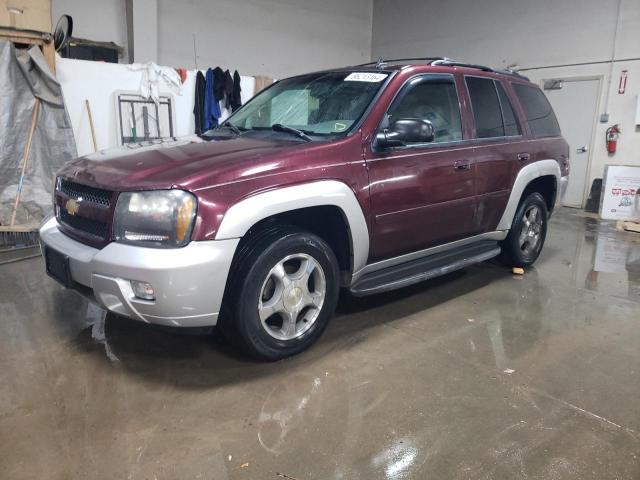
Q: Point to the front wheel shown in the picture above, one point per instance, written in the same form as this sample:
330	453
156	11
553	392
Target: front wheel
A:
528	231
285	291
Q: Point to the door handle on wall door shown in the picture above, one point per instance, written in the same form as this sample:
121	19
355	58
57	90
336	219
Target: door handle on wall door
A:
583	149
461	165
523	157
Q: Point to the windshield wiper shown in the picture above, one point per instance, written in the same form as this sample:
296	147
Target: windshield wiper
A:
231	127
278	127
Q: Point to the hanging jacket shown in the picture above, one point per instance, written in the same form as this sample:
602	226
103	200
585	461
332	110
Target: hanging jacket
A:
218	78
198	105
228	89
236	100
211	105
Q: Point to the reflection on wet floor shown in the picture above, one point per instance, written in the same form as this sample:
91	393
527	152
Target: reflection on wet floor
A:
480	374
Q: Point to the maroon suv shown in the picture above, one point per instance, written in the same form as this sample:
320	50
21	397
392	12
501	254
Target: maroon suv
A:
369	178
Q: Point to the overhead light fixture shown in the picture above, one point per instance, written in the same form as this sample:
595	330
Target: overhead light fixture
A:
15	10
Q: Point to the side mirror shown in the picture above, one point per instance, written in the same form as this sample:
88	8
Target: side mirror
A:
406	130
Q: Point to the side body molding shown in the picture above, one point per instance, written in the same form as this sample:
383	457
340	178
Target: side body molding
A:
526	175
244	214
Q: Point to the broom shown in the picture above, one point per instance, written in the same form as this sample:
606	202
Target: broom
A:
21	236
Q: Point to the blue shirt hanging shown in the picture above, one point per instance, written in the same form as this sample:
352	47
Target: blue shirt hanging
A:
211	105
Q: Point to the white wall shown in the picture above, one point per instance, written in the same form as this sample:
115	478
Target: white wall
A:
101	20
526	33
277	38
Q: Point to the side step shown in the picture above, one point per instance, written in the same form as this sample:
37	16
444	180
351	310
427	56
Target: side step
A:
424	268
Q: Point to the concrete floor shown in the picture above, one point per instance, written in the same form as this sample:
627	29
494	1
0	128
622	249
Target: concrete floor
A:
478	375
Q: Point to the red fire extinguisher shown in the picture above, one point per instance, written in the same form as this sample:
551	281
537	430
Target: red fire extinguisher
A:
613	133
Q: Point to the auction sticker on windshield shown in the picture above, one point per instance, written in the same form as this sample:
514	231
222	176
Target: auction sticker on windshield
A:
366	77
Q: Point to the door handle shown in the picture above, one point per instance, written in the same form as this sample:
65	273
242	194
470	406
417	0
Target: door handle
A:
583	149
461	165
523	157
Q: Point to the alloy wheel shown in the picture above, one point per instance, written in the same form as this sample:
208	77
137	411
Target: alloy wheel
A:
292	296
531	230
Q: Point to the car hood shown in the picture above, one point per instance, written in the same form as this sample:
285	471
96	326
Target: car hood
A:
188	162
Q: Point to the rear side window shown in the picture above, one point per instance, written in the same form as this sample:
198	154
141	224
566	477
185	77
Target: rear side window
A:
511	127
486	107
540	116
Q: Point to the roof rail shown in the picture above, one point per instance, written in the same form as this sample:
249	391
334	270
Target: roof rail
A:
444	62
380	63
447	62
452	63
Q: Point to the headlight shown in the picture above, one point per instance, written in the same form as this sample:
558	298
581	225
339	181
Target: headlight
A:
161	218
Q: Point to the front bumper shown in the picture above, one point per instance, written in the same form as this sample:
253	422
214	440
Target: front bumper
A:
189	282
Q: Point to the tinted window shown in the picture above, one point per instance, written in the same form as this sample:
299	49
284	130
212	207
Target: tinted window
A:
538	111
486	107
509	118
432	98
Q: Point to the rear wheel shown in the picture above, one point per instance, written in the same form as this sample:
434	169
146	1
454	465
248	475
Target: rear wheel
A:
528	232
284	292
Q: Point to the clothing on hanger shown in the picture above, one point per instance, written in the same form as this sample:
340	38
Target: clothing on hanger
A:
218	77
211	105
198	105
228	89
236	99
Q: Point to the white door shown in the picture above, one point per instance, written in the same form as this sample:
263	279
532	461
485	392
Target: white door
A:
576	105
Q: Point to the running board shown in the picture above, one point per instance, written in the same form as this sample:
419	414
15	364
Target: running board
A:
425	268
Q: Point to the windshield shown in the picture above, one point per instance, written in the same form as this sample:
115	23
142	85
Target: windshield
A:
316	104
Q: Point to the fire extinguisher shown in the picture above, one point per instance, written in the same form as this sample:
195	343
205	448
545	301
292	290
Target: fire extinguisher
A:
613	133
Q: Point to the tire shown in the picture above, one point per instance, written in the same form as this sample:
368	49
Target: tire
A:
528	232
283	292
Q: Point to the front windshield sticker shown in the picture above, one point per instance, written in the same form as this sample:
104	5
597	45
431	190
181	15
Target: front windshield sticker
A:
366	77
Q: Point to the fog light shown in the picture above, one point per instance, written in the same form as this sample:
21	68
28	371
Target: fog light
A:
143	290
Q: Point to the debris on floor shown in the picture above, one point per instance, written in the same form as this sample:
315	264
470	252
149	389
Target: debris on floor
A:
284	475
628	226
517	271
509	371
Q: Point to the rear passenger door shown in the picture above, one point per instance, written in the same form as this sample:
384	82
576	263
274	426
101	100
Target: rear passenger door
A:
500	148
422	194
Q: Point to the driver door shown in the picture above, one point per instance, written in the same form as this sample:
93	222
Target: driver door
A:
422	195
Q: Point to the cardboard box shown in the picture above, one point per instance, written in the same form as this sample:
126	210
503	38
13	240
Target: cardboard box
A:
36	14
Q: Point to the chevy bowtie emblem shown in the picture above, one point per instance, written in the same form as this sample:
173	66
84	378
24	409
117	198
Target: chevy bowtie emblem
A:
72	206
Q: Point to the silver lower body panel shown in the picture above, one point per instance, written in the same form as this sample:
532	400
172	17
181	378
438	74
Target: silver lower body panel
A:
189	282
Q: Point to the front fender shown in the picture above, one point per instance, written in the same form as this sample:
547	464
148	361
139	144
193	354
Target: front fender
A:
243	215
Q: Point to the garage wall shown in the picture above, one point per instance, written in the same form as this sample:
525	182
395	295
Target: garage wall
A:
502	33
277	38
101	20
538	35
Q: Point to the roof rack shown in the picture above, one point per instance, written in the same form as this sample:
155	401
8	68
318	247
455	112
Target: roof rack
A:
443	62
380	63
446	62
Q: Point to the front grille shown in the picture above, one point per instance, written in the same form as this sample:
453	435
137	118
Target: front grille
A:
87	194
91	227
90	219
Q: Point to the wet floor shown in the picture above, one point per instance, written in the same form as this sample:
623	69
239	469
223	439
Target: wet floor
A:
477	375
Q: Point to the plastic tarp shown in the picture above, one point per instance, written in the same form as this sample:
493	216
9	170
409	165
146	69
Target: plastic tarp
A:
25	76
